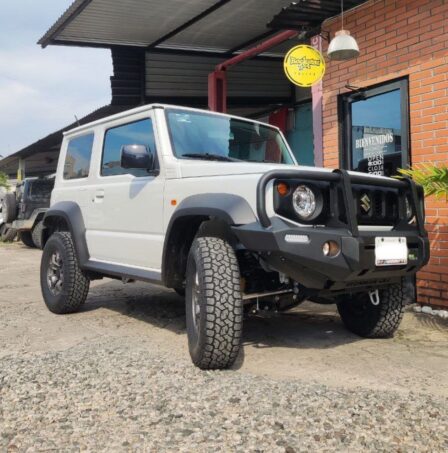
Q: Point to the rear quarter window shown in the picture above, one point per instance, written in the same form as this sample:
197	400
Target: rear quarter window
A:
77	159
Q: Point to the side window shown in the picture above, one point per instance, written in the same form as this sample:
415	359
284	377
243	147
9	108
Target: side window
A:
138	133
77	159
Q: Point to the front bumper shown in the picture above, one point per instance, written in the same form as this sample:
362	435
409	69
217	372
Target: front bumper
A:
354	266
305	263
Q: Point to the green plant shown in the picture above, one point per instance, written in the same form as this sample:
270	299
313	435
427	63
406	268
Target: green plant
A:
433	179
4	181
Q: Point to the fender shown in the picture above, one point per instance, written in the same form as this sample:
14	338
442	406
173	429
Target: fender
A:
230	209
233	209
71	213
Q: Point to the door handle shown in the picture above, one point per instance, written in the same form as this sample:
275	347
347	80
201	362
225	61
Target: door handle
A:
99	196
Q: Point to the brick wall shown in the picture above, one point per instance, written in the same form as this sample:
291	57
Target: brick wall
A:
402	38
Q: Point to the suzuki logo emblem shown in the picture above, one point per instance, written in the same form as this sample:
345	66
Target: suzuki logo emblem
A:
366	203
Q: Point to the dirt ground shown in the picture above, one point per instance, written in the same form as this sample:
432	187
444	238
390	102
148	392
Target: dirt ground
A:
308	343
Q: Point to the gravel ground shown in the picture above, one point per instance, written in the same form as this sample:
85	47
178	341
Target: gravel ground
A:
117	377
110	396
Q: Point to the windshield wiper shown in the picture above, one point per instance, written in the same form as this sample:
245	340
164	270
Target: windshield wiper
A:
210	156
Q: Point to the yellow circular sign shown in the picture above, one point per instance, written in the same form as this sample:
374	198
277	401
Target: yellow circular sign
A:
304	66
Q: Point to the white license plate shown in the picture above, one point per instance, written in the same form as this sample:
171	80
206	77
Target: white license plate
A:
391	251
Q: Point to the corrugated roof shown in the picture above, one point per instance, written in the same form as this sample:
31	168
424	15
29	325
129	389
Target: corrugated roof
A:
206	25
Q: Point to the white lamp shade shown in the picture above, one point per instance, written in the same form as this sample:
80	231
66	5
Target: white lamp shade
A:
343	46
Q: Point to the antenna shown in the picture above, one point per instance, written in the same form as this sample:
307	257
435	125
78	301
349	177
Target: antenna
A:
76	118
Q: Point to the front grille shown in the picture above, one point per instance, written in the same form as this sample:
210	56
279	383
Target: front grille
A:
376	206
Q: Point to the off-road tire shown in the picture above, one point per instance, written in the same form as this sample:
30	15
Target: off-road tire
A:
36	234
9	234
9	210
75	286
214	339
27	239
363	318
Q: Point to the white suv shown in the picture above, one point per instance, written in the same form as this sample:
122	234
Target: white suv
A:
216	207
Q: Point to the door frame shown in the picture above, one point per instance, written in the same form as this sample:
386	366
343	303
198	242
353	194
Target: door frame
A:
345	118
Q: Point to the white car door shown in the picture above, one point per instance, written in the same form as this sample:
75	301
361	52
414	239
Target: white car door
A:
125	221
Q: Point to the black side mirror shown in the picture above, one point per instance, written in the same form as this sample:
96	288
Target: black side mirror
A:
137	157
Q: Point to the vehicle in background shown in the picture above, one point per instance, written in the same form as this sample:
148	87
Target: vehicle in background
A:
24	209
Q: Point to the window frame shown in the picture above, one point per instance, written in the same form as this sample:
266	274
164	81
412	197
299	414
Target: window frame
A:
345	119
69	140
154	172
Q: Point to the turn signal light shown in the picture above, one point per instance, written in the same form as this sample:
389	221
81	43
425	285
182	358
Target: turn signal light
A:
282	189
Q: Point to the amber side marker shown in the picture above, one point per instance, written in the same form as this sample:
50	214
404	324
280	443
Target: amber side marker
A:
282	189
173	202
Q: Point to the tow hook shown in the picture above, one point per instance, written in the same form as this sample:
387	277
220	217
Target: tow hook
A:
374	297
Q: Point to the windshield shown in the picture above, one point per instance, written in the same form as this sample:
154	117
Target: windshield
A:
199	135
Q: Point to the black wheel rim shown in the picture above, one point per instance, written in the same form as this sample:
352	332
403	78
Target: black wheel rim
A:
55	273
195	300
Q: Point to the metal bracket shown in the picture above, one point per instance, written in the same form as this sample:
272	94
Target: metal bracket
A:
374	297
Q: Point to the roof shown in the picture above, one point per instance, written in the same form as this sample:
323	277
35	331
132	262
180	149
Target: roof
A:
146	108
41	156
223	26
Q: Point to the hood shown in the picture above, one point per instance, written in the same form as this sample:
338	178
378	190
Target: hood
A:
202	168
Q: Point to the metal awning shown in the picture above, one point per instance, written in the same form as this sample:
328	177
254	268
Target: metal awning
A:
220	26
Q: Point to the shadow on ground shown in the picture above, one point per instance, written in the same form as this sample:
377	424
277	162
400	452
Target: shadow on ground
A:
308	326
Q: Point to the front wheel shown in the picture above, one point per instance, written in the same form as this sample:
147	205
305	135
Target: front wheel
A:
363	318
64	285
26	238
214	306
8	234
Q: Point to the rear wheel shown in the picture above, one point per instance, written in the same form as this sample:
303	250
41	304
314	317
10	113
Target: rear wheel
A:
26	238
363	318
214	307
64	285
36	234
9	210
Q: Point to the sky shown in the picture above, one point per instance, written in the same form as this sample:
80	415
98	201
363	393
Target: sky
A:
41	90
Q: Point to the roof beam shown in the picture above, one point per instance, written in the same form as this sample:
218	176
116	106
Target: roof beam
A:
73	11
189	23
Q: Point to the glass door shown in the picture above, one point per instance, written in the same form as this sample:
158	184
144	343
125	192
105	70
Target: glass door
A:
375	124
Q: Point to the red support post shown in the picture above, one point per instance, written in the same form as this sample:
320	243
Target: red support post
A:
217	91
217	80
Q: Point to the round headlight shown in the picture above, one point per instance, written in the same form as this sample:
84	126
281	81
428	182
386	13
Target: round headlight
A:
304	202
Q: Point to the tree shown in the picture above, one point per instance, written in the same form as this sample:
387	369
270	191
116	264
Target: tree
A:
4	181
434	179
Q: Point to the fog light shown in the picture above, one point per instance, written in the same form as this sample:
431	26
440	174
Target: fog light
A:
331	248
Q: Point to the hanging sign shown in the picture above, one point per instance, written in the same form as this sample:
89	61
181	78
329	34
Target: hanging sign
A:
304	65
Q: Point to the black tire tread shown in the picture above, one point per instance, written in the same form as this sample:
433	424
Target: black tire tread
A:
224	309
385	318
26	238
36	234
79	288
9	234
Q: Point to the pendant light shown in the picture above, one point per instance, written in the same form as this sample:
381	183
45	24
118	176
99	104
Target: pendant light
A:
343	46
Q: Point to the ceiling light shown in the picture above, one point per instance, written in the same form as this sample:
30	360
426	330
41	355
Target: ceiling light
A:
343	46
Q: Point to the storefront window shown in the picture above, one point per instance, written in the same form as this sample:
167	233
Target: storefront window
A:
376	129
